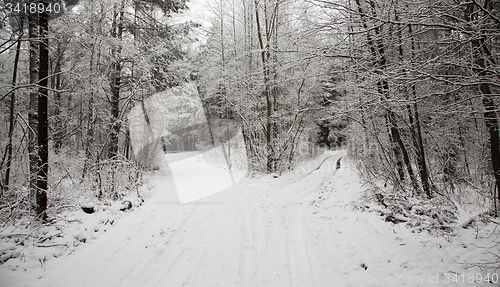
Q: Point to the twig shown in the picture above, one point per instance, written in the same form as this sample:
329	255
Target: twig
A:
52	245
494	221
471	218
12	235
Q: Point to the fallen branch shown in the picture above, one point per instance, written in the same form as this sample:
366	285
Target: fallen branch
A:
469	219
12	235
52	245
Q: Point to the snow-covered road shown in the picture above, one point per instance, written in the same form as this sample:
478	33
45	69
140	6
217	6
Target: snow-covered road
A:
248	235
295	230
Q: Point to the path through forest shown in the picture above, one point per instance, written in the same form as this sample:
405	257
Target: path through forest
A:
295	230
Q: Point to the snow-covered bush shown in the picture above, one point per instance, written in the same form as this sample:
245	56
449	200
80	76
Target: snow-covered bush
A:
110	187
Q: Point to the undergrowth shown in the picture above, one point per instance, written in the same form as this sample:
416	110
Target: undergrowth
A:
440	215
110	187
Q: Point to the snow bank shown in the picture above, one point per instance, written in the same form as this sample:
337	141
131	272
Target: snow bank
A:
359	248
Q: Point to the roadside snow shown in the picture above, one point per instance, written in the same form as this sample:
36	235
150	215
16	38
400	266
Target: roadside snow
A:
27	246
299	229
360	249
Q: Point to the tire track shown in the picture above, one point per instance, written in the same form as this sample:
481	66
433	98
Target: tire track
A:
279	220
298	258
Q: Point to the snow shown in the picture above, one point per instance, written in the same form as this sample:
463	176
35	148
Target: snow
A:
299	229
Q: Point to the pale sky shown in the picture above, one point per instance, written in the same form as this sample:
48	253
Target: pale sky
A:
199	12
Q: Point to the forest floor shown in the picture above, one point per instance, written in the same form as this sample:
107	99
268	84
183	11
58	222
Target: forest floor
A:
298	229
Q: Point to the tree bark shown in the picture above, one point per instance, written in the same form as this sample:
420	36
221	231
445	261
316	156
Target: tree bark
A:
483	59
56	82
33	101
379	60
43	143
267	90
11	116
384	91
424	172
417	131
117	32
90	132
406	158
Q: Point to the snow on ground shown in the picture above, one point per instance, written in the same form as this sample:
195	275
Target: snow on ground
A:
27	246
360	249
299	229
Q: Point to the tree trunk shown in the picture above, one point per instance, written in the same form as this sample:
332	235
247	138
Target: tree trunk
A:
117	32
267	91
484	59
491	121
126	149
422	166
397	138
406	158
384	92
419	143
90	133
43	143
33	101
379	60
222	33
56	85
11	117
394	146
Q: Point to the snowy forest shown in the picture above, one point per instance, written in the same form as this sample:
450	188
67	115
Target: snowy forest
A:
398	99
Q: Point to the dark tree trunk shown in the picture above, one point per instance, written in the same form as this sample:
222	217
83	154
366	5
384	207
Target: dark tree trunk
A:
483	60
422	166
11	116
127	144
406	158
394	147
117	31
491	121
43	143
90	134
397	138
33	100
379	60
419	144
56	83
